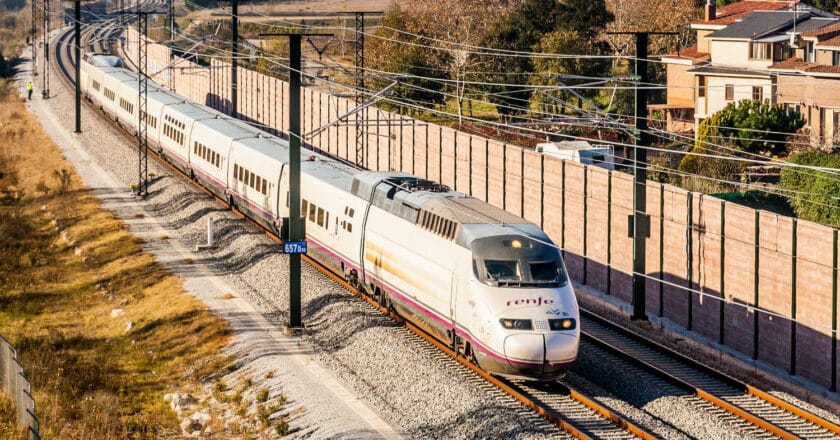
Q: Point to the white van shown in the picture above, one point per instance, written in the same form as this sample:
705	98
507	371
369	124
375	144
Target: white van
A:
580	151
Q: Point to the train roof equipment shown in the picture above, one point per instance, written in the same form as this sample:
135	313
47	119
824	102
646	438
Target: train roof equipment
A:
435	207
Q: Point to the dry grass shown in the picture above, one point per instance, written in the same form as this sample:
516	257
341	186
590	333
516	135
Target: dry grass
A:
90	378
8	422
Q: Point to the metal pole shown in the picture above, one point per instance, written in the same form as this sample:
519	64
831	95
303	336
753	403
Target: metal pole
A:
171	20
360	86
142	101
295	223
640	180
32	37
45	90
234	26
639	229
78	32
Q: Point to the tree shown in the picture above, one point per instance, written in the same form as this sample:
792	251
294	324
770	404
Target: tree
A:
825	5
752	126
586	17
749	126
521	31
580	60
813	194
444	33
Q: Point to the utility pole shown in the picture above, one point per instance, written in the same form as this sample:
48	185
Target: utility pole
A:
33	34
639	221
234	27
45	89
360	86
171	20
358	92
78	40
142	100
295	243
142	188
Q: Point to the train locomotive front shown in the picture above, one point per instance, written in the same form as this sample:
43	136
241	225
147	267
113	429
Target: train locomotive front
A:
525	315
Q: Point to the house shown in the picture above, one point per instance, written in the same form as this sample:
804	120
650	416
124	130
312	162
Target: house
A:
745	50
810	82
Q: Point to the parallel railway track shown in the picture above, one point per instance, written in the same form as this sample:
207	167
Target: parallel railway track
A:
774	416
557	403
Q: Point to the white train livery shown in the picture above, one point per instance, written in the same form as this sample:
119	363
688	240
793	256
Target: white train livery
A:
488	283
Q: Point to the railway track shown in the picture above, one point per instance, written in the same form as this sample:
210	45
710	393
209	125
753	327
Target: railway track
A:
567	409
578	415
774	417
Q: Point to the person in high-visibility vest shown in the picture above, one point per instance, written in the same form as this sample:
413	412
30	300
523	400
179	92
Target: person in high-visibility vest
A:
29	89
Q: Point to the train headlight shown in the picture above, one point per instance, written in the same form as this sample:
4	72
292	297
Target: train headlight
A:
517	324
562	324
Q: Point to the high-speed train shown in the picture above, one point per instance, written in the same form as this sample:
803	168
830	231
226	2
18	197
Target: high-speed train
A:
488	283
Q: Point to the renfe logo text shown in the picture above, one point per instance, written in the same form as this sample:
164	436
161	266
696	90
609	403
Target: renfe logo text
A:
530	301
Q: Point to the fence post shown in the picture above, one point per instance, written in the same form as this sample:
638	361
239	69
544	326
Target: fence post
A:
793	299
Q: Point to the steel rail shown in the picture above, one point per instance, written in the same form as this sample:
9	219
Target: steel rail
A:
703	394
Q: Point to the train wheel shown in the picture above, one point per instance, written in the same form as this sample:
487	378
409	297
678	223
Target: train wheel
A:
468	353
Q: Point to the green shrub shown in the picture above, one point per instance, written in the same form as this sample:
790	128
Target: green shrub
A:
812	193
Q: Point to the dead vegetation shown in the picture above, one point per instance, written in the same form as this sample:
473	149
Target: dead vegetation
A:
65	266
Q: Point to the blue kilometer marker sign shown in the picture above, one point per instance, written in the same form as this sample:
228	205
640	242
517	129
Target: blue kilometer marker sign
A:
294	247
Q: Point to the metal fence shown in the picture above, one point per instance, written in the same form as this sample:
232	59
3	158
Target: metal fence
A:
16	386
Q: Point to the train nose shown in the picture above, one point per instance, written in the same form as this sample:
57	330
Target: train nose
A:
561	349
525	348
540	355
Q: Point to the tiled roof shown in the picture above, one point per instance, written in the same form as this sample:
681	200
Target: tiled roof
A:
831	42
825	32
820	68
728	14
791	64
690	53
801	66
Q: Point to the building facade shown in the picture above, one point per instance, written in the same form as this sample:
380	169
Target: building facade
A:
780	51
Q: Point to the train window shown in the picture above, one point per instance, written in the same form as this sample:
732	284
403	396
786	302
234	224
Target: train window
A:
312	210
544	271
264	187
245	177
251	181
235	171
349	227
327	221
259	183
502	270
345	209
287	199
320	216
304	207
352	211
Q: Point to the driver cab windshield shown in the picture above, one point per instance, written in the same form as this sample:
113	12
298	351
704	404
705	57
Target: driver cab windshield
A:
518	262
